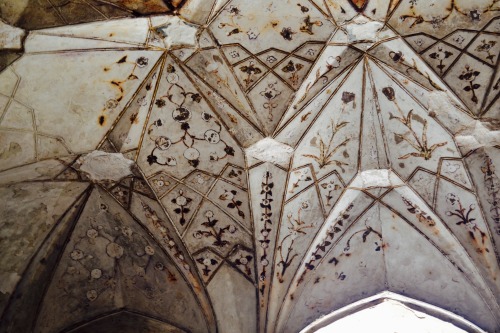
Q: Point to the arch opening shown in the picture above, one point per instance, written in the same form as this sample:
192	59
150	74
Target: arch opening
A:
391	312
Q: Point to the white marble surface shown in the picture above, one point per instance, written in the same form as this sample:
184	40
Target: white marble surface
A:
251	165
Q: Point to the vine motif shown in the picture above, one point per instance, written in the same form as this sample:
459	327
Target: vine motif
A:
321	248
166	237
327	150
399	58
229	195
379	245
112	104
270	93
366	232
140	62
473	15
421	215
470	75
178	96
266	209
493	188
233	27
234	12
331	64
464	217
215	232
296	229
420	144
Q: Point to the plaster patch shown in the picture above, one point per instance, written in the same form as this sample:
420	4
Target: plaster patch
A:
11	37
101	166
376	178
270	150
477	135
177	32
363	29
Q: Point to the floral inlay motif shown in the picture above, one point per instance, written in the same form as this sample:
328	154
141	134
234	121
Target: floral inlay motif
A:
244	262
293	69
296	228
327	148
469	75
140	62
250	70
399	58
182	202
266	214
331	186
421	215
420	144
303	175
231	27
322	247
441	55
270	93
178	96
166	235
493	187
208	264
213	231
436	21
113	238
287	33
485	47
230	195
308	24
465	218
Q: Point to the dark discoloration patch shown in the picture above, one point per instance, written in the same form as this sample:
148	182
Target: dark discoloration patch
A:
8	57
101	120
13	149
42	14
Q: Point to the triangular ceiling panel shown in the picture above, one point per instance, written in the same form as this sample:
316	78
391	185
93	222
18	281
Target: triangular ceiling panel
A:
111	262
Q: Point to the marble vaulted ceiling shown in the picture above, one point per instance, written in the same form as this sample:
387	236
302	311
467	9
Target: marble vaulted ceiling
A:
245	166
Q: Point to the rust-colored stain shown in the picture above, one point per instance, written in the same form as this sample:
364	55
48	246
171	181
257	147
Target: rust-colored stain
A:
133	118
360	5
150	7
233	119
